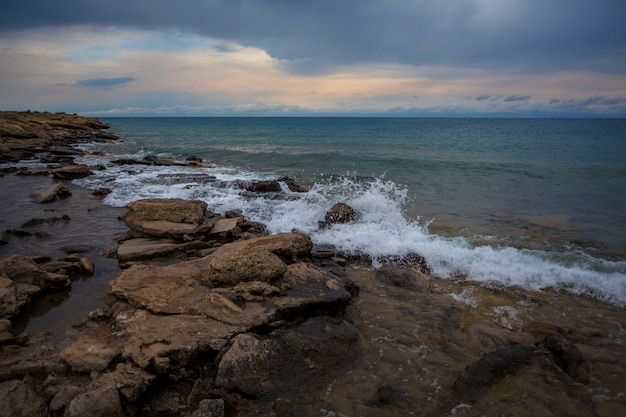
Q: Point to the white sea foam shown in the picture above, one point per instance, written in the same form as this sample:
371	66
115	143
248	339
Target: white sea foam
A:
380	230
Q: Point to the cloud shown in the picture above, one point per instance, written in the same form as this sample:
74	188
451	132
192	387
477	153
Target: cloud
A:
486	97
253	69
316	36
517	98
104	82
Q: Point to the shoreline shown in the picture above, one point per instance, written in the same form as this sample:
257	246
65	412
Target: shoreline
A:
408	343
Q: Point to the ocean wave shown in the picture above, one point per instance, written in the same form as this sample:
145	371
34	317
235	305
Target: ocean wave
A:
380	231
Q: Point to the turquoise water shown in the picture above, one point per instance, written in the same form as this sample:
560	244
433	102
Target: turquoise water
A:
531	202
472	174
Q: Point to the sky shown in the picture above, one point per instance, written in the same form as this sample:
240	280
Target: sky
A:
509	58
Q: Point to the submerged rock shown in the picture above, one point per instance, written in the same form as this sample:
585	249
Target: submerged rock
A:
490	368
51	193
288	360
569	358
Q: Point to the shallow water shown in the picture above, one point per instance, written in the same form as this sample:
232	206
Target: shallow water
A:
91	229
417	344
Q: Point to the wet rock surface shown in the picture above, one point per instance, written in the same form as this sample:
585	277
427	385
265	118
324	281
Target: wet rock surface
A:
272	325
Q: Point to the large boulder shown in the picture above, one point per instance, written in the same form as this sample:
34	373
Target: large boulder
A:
287	359
233	267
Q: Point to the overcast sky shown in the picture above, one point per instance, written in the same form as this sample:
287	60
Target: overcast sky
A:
315	57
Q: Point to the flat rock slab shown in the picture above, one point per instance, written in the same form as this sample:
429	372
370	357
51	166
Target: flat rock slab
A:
163	228
285	245
142	248
158	342
71	172
173	210
225	225
157	289
89	354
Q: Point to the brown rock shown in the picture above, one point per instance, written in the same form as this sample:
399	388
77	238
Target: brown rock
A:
162	228
569	358
102	192
231	268
305	285
102	402
173	210
87	266
491	367
18	399
144	248
12	298
339	213
288	359
402	278
71	172
176	289
64	397
260	186
52	193
225	225
288	246
293	186
89	354
165	290
159	342
22	269
5	330
129	380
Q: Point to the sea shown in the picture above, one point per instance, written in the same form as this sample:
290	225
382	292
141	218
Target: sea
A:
530	203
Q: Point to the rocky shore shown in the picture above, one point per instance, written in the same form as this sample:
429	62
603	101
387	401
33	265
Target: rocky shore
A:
207	315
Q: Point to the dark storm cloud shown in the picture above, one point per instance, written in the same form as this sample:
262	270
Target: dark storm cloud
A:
104	82
314	35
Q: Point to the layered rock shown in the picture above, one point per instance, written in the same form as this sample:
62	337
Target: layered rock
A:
27	135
